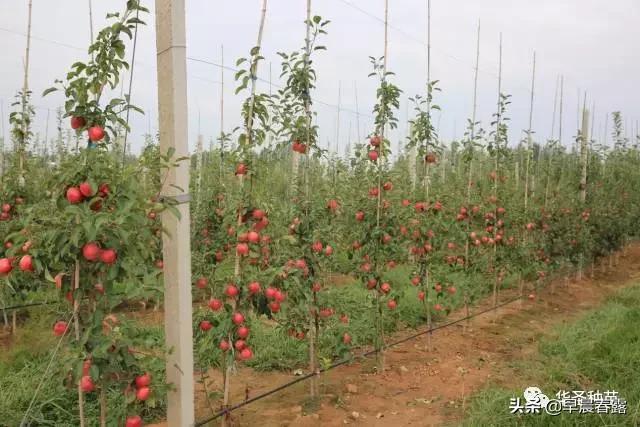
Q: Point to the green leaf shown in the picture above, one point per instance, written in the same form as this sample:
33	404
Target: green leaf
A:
49	90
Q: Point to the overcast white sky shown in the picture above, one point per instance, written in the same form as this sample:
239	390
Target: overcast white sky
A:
593	43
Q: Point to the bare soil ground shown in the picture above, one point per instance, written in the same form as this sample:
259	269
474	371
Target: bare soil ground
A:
426	385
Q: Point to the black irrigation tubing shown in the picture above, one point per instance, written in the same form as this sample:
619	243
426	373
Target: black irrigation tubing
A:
345	361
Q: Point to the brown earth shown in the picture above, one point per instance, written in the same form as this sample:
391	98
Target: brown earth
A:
424	386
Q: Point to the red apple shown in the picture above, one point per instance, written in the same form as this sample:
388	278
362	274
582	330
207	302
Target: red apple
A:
279	296
86	384
96	133
242	249
270	293
274	306
91	251
59	328
202	282
237	318
254	288
77	122
333	205
246	354
392	304
241	169
26	263
224	345
243	332
215	304
253	237
134	421
373	156
108	256
231	291
143	393
5	266
85	189
346	338
205	325
103	190
74	195
143	380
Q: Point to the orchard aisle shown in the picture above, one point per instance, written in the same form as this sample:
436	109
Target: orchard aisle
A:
422	387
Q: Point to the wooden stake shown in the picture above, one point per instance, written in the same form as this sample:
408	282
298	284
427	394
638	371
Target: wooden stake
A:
173	119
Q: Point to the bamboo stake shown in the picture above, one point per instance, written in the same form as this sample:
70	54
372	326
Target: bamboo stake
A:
2	141
583	141
550	154
313	323
76	325
25	90
103	408
473	130
221	112
529	141
355	89
496	179
380	328
91	22
199	149
584	147
560	123
338	118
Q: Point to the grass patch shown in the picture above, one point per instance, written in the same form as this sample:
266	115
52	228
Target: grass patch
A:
600	351
23	367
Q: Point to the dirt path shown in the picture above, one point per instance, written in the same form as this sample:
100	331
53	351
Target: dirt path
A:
421	386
